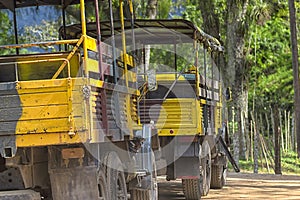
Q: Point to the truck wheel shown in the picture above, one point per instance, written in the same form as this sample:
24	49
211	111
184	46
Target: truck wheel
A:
102	185
206	167
192	188
115	177
149	189
218	177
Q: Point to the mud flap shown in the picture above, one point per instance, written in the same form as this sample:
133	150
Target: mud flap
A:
220	140
74	183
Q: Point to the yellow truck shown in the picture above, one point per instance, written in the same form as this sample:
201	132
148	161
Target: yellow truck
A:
185	102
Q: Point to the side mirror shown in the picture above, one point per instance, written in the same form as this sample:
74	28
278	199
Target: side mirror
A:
151	80
228	94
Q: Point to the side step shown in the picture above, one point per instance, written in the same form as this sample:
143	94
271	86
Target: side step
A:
20	195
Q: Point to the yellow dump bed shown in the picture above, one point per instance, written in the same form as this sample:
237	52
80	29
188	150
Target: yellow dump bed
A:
36	108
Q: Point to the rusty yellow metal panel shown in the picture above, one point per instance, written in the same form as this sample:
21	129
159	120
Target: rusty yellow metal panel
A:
29	68
47	126
92	65
39	99
96	83
131	76
200	117
48	110
169	77
40	86
177	114
218	118
203	101
178	132
43	112
129	60
30	140
91	44
181	116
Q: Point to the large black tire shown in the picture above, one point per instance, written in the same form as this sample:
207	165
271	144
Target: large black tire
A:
102	185
206	167
140	194
192	188
115	177
217	177
149	189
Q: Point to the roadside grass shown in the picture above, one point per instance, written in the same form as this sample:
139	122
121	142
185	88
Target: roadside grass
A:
290	164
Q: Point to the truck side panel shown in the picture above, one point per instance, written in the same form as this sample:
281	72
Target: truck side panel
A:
173	116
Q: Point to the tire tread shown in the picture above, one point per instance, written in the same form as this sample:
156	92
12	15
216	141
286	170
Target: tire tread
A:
192	189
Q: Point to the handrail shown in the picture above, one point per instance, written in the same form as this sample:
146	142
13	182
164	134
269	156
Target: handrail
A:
172	86
38	61
121	2
69	57
48	43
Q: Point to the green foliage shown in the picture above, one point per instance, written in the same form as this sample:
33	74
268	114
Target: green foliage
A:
193	14
290	164
162	57
46	31
164	7
260	13
140	8
271	79
6	33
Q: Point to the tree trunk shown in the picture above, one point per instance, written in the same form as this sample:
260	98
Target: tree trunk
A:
247	136
236	135
151	11
251	139
255	144
273	124
210	18
235	73
277	141
268	124
211	24
281	128
295	71
289	130
286	131
243	145
293	133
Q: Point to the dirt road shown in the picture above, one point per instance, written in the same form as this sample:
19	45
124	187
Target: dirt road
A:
241	186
